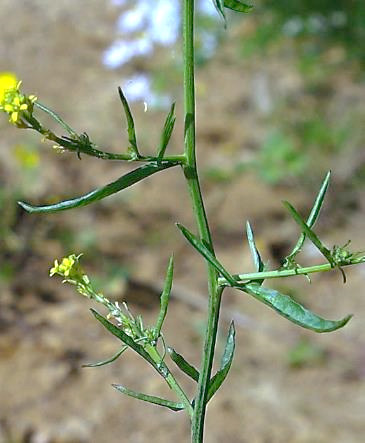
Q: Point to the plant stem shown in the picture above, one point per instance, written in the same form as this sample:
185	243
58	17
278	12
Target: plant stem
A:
92	149
279	273
191	175
170	379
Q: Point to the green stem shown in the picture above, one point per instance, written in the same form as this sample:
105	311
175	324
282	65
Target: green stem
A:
170	379
279	273
94	152
191	175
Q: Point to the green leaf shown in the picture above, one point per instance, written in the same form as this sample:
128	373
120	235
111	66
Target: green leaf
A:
206	253
126	339
234	5
309	233
219	377
184	365
165	296
130	122
150	398
259	264
219	5
98	194
109	360
237	6
166	133
57	118
313	216
293	311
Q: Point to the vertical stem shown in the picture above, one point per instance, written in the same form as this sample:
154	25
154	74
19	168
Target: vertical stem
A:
191	175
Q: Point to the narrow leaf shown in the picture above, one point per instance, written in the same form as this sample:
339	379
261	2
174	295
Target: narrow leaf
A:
293	311
227	358
219	5
130	122
184	365
98	194
150	398
57	118
206	253
126	339
237	6
166	133
165	296
259	264
313	216
309	233
109	360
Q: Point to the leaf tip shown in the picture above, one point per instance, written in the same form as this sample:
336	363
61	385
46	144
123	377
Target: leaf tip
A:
26	206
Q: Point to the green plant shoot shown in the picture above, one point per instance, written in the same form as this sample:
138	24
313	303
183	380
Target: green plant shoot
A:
25	112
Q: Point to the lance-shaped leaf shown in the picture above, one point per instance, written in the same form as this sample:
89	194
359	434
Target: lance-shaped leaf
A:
259	264
166	133
183	364
309	233
206	253
165	296
237	6
219	5
174	406
98	194
313	216
218	378
292	310
109	360
133	149
126	339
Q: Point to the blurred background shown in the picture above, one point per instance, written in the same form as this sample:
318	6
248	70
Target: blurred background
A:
281	100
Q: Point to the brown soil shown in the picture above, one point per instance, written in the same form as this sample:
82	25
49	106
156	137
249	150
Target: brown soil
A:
46	331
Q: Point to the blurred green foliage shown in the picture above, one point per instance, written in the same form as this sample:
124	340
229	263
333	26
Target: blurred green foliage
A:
305	353
280	158
340	21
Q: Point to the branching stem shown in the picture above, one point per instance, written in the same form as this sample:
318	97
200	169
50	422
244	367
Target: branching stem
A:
279	273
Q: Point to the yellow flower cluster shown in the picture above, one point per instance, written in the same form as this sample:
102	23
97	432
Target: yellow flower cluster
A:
12	101
68	268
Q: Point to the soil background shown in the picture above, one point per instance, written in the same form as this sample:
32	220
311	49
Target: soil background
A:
286	384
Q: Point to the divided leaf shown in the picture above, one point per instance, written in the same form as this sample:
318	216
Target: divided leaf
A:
98	194
292	310
183	364
150	398
227	358
130	122
206	253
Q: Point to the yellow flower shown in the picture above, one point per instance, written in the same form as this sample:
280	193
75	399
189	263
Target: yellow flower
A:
7	81
12	101
68	268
